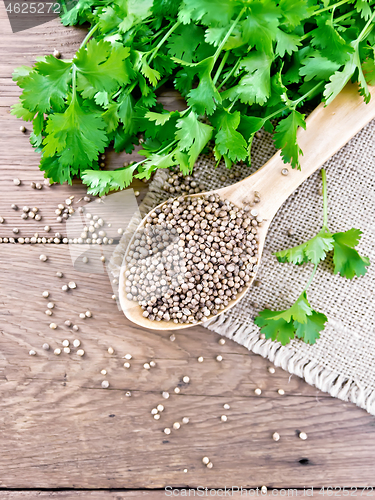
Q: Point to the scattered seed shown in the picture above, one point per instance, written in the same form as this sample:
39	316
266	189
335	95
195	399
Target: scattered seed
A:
102	258
38	185
219	358
110	350
167	430
126	365
226	406
224	418
68	322
65	288
45	294
302	435
157	416
103	372
82	315
16	182
128	356
48	312
85	260
32	353
67	350
185	420
72	285
258	392
276	436
105	383
75	328
281	392
38	217
172	338
53	326
200	359
186	379
2	220
80	352
176	425
66	343
43	258
14	206
58	274
154	411
128	394
23	129
160	408
76	343
177	390
57	352
284	171
271	369
165	394
56	54
50	305
88	314
146	366
205	460
32	185
221	341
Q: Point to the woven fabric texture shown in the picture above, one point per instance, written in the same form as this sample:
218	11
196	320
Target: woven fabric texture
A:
342	362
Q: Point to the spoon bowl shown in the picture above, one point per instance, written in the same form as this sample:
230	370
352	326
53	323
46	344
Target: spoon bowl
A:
327	130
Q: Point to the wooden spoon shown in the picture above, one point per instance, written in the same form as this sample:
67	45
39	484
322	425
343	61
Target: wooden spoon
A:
328	129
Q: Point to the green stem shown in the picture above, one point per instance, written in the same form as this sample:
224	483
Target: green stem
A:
330	7
230	31
366	31
74	82
88	36
311	279
325	198
165	37
220	68
234	69
311	91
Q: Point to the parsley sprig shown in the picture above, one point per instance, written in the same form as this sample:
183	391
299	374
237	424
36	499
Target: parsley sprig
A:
301	320
240	64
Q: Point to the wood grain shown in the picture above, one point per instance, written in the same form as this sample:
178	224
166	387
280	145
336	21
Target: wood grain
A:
60	429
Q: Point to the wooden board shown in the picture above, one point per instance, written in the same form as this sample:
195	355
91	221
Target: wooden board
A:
61	429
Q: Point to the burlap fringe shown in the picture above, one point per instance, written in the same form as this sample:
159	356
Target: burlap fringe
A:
314	373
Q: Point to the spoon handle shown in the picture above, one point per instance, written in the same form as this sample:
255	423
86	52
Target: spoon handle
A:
327	130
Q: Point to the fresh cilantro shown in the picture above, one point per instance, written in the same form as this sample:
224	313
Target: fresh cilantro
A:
239	65
313	250
348	262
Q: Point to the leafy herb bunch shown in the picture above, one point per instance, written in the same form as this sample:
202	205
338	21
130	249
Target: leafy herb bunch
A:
238	63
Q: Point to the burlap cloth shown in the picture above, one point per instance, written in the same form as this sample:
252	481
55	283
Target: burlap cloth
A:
342	362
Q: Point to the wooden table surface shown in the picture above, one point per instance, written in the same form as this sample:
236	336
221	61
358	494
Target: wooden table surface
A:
60	430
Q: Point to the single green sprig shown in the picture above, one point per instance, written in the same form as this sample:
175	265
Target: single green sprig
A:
301	320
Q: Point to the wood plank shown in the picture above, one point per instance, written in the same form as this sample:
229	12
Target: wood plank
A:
61	429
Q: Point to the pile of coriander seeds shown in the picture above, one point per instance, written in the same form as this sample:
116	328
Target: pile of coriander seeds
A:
192	257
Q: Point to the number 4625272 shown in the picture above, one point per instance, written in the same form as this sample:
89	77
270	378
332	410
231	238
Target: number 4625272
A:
34	8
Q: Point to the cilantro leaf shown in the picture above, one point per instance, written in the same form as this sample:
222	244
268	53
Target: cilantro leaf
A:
76	135
286	137
47	85
348	262
368	67
102	182
259	28
309	332
205	97
300	320
338	81
192	135
313	250
216	12
229	141
316	66
286	43
331	43
184	42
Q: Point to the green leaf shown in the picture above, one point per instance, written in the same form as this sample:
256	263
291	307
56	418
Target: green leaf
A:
155	161
76	135
193	136
368	67
229	141
166	8
101	182
55	171
286	43
294	12
205	97
363	8
134	12
313	250
309	332
338	81
20	112
20	73
259	28
158	118
300	319
332	44
184	41
47	86
209	12
127	114
111	117
318	67
102	66
348	262
77	13
286	137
